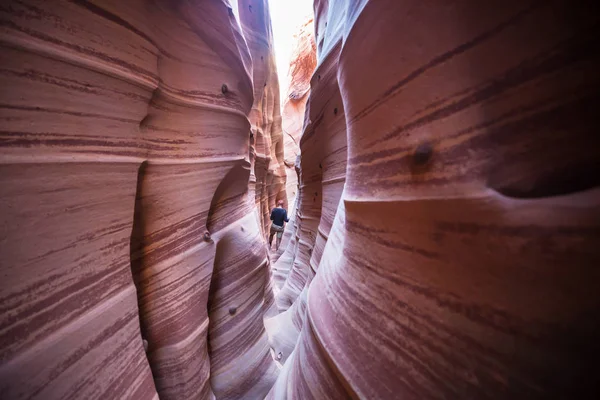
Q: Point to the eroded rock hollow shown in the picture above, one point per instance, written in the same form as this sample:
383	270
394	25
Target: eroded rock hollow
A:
445	237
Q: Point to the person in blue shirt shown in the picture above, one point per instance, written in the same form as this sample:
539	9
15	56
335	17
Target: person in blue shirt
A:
279	218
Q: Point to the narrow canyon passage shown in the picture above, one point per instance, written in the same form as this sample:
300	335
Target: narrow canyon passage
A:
439	162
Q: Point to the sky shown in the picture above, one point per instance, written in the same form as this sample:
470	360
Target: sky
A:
286	18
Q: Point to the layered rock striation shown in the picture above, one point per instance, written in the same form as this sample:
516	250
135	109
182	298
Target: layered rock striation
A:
302	65
141	150
445	239
449	207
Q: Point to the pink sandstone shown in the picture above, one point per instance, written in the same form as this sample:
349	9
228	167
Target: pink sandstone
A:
444	239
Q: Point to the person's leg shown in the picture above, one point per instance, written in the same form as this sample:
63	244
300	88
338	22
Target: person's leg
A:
271	234
279	236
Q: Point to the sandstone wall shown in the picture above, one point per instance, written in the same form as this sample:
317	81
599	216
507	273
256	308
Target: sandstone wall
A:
141	150
445	243
302	65
449	210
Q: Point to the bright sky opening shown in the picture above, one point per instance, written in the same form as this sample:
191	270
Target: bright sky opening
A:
286	18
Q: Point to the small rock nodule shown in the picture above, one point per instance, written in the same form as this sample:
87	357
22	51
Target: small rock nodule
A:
422	154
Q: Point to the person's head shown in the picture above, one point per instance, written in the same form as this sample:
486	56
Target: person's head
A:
279	203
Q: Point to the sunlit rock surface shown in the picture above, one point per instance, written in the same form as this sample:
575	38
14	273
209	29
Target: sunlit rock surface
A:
445	238
302	64
455	254
138	164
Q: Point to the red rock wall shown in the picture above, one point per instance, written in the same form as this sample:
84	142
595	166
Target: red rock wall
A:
267	155
449	212
129	129
447	225
302	65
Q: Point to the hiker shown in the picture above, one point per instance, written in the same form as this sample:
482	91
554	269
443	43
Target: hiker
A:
279	218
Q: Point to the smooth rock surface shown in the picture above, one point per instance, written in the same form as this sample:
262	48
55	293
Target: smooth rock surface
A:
457	257
302	65
141	148
444	243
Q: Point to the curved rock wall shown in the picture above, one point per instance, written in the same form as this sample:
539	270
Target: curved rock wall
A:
445	243
132	137
302	64
322	181
267	153
457	256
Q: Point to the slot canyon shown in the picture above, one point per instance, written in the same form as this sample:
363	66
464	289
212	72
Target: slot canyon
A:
437	159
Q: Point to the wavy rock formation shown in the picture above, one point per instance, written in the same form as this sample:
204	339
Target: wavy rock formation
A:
445	239
269	171
322	174
455	254
302	65
141	148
